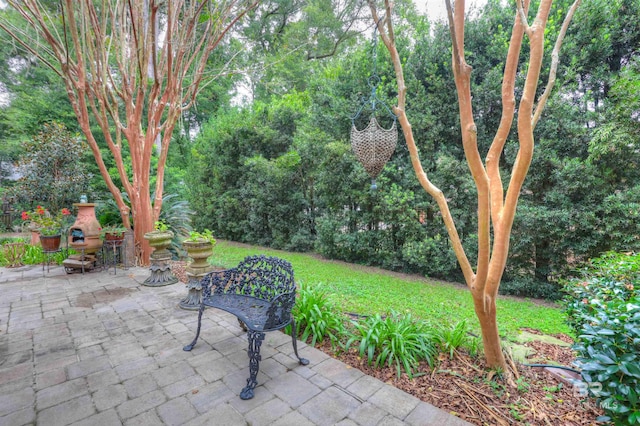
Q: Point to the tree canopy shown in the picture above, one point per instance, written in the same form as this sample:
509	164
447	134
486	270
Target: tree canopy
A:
131	68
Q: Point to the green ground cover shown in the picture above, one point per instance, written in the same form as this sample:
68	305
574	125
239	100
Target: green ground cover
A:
367	291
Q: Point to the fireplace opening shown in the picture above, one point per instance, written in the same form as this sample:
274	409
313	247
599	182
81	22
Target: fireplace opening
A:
77	236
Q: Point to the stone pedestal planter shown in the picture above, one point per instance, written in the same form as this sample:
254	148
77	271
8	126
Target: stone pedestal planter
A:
160	268
198	251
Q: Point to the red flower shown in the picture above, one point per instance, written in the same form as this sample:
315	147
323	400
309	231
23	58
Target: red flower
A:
41	220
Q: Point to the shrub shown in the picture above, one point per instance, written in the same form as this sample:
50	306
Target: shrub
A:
604	309
33	256
316	318
428	257
396	339
608	351
608	281
530	287
50	168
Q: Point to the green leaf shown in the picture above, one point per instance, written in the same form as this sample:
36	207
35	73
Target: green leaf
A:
603	358
630	369
612	369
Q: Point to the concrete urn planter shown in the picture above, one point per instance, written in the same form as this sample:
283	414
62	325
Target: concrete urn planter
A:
160	268
199	251
160	241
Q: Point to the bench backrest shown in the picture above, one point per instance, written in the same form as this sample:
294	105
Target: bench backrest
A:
264	277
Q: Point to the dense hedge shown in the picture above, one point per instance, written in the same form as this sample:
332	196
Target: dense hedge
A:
603	307
281	173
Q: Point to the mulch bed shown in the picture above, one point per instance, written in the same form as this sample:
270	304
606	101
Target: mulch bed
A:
178	269
464	386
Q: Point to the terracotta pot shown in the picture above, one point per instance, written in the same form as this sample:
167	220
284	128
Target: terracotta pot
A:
50	242
114	240
109	236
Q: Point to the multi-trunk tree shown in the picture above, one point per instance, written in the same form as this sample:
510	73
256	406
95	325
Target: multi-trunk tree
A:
130	67
496	205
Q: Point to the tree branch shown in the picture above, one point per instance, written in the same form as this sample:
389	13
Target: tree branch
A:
502	232
426	184
506	119
523	17
555	59
462	76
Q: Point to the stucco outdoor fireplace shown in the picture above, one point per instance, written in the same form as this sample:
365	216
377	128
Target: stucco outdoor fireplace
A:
84	238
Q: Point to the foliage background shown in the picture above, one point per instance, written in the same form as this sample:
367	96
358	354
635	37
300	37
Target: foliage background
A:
277	169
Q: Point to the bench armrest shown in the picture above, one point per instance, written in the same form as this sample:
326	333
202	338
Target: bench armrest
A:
279	313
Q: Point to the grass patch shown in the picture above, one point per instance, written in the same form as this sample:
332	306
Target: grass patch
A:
356	289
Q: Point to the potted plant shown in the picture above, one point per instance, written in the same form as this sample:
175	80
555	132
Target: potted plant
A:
112	233
199	246
160	237
47	225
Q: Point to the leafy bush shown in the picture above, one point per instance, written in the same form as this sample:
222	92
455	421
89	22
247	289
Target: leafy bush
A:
608	281
51	170
396	339
604	309
608	353
530	287
428	257
316	317
33	256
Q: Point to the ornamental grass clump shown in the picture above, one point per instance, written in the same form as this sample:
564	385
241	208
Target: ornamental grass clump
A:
450	339
603	307
395	339
316	317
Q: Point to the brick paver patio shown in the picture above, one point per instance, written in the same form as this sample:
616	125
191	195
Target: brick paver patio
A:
101	349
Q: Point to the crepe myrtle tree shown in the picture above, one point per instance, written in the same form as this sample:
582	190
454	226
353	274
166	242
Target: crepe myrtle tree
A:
496	205
131	67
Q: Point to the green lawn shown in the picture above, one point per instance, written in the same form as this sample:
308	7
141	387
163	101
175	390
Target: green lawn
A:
367	291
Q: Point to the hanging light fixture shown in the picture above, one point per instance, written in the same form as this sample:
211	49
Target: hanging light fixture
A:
373	145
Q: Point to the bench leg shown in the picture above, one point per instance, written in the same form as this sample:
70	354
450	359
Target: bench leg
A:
192	344
294	340
255	341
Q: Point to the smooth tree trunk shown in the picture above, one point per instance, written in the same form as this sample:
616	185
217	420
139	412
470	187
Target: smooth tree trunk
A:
496	208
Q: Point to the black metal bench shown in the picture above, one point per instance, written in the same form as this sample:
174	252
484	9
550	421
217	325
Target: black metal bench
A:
261	293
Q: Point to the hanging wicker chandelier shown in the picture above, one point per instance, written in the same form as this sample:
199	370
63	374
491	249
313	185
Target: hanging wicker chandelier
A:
373	146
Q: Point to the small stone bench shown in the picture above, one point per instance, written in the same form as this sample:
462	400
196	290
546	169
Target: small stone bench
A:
261	293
